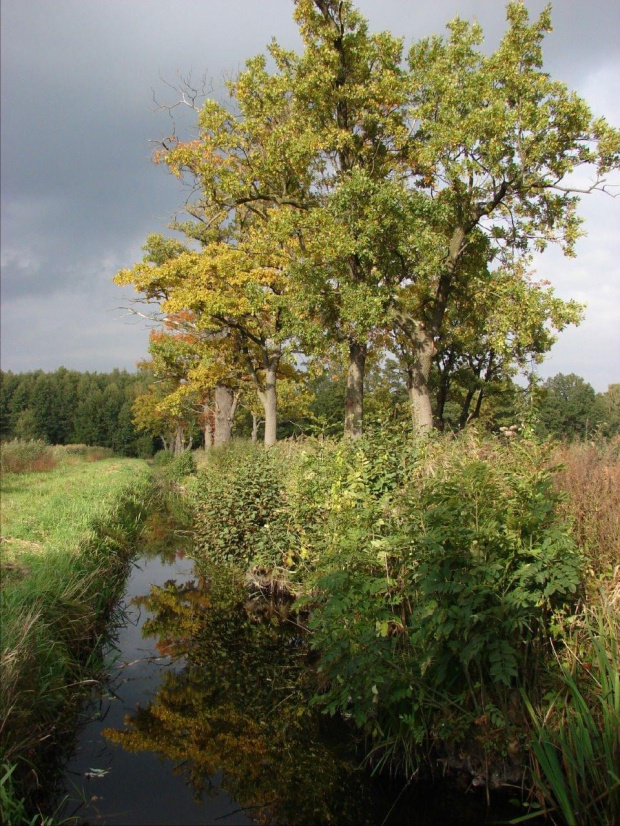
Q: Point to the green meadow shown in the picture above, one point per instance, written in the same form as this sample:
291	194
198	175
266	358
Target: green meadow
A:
67	534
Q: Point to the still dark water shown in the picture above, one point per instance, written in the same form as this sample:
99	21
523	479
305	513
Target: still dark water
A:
204	720
109	784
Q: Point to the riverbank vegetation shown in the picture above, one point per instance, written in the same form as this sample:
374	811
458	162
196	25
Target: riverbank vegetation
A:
357	259
67	534
364	221
461	595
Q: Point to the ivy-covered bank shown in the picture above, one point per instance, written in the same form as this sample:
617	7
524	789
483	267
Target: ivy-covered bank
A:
461	596
67	536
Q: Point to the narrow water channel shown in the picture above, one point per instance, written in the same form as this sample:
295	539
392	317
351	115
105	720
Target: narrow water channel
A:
104	782
204	719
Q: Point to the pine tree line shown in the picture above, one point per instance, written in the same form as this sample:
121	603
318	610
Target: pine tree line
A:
69	407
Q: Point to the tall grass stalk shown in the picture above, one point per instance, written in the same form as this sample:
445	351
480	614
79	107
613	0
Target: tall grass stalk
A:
576	769
13	808
590	476
26	456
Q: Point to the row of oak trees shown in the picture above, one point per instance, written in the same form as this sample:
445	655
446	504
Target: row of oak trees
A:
349	201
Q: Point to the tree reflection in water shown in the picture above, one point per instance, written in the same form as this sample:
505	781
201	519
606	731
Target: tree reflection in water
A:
238	708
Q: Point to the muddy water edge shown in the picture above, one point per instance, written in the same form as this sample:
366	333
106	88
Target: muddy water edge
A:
205	716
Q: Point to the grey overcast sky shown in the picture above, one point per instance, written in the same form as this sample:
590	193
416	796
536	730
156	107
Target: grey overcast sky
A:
80	194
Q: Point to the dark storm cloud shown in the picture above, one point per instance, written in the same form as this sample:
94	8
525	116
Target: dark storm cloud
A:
79	193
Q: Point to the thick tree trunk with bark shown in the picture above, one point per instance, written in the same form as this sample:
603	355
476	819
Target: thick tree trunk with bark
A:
267	390
270	404
418	374
354	402
423	339
208	426
225	407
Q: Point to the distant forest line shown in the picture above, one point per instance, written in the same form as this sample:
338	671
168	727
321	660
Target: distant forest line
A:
70	407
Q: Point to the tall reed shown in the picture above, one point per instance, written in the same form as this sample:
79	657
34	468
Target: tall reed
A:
576	769
26	456
589	476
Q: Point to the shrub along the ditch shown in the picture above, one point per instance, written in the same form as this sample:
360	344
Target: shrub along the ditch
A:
433	601
178	467
240	514
57	594
435	574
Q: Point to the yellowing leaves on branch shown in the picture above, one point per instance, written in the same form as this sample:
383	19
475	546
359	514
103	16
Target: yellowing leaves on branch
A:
350	198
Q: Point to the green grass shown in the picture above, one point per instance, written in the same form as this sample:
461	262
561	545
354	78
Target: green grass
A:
576	771
56	508
66	540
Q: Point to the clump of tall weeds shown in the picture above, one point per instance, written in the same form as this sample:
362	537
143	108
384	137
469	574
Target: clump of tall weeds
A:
26	456
13	809
576	745
576	750
449	583
589	476
36	456
440	571
239	506
86	453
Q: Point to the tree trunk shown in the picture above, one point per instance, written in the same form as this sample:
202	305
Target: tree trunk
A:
225	406
445	378
270	403
208	426
418	373
354	402
255	423
267	391
464	417
179	441
423	340
478	408
487	378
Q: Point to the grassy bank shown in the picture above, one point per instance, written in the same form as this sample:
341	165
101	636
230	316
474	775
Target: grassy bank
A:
462	597
66	540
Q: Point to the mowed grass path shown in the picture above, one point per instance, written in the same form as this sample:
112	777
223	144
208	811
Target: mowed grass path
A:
67	536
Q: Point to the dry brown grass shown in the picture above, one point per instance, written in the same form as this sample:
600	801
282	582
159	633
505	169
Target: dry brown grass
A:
590	477
20	456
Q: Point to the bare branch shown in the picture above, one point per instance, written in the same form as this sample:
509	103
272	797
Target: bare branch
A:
598	186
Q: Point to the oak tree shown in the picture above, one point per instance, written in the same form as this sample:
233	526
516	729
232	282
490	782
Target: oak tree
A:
495	141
